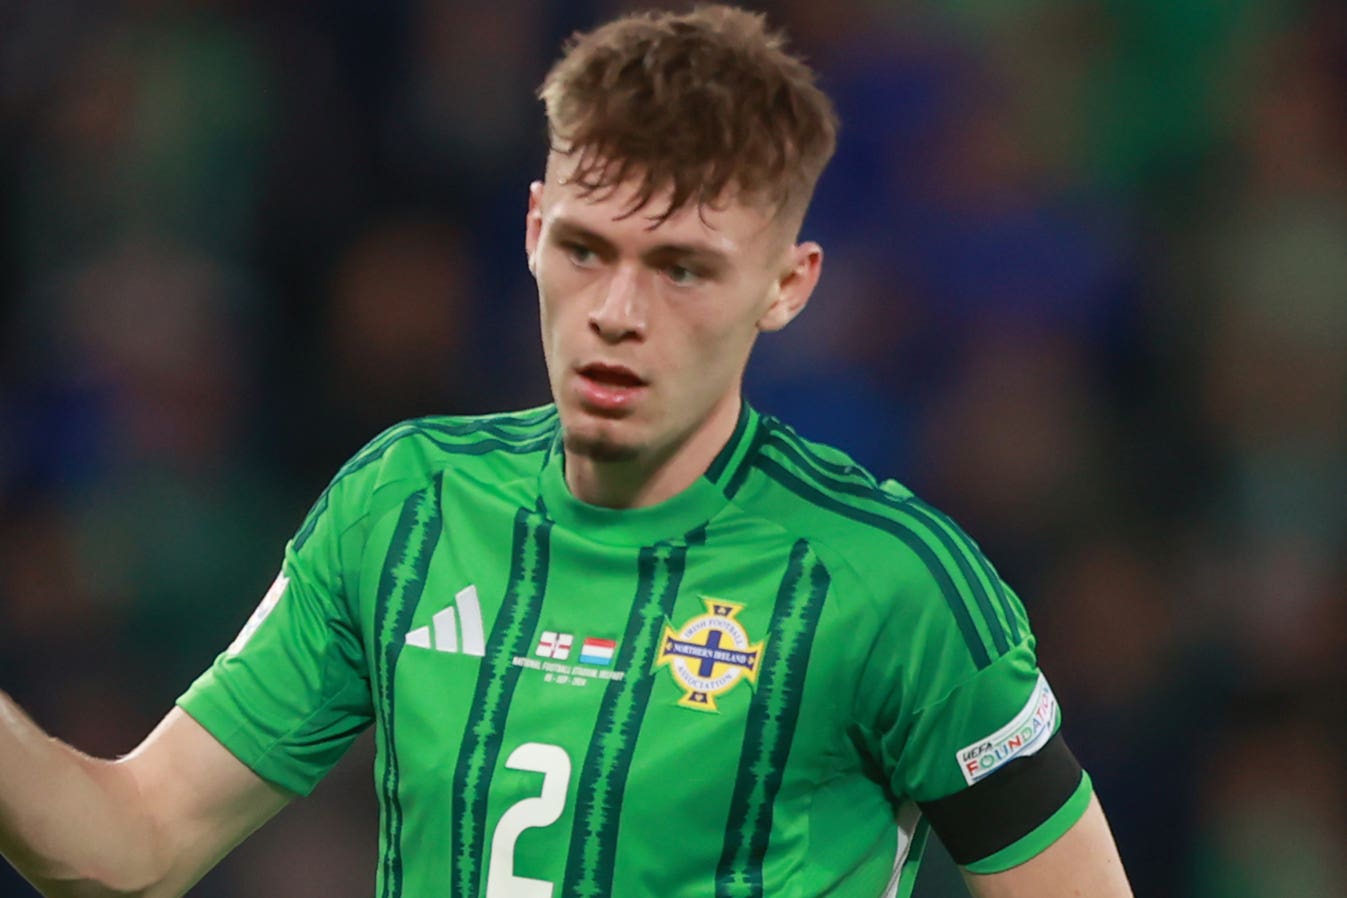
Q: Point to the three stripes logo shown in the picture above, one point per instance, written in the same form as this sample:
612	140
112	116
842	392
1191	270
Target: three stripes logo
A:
455	630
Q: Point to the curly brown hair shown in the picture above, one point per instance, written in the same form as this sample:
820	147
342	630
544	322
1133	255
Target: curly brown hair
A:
698	102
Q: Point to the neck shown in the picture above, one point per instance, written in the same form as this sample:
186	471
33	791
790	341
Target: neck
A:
654	477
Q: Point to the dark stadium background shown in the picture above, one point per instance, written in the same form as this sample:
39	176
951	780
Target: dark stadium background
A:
1086	288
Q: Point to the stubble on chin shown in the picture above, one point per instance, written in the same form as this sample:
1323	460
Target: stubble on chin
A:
597	448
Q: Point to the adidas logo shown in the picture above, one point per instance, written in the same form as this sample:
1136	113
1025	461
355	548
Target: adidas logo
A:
456	630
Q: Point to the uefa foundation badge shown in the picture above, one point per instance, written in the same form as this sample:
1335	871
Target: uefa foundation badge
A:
710	654
1026	734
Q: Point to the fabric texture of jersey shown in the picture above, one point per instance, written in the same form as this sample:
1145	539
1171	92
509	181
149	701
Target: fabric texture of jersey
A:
749	689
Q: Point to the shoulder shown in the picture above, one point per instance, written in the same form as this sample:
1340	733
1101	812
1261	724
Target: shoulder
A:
821	493
908	556
420	447
412	454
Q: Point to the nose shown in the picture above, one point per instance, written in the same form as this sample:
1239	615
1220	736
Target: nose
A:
620	313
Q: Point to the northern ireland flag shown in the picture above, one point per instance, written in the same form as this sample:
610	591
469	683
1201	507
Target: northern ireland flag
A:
597	652
555	645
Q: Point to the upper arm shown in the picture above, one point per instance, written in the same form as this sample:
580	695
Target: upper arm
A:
267	720
1083	862
200	800
264	723
968	726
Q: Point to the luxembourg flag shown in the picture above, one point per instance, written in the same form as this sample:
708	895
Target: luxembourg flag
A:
597	652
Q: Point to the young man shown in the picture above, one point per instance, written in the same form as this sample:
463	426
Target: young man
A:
642	642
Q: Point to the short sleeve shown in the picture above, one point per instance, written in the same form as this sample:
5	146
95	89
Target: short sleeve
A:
960	738
966	724
291	693
988	766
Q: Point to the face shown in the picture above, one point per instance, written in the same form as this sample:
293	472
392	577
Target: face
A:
646	330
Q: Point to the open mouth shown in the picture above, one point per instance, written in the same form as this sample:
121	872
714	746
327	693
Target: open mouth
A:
609	390
611	375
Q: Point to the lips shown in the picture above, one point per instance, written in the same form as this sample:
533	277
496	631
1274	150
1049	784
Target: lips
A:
611	375
609	390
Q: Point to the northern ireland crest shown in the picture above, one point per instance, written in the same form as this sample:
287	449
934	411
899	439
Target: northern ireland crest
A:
710	654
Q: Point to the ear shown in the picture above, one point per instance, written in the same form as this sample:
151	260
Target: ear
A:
533	224
792	289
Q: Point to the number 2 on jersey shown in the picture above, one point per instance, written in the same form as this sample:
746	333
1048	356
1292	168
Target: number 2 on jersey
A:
555	766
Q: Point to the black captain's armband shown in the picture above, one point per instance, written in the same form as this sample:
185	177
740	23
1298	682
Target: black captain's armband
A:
1006	806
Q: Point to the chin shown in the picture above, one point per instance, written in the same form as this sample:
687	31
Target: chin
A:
598	447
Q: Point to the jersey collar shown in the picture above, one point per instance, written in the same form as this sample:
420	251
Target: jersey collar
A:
668	520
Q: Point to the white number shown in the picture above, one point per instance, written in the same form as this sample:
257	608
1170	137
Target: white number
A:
555	766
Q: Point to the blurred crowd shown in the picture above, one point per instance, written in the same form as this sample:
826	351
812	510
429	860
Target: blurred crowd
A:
1085	289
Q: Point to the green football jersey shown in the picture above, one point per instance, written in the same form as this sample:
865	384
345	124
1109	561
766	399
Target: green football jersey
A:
749	689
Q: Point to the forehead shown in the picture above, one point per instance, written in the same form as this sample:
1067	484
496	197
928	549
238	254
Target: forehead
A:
731	225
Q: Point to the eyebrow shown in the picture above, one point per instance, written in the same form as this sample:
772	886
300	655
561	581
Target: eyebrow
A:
566	229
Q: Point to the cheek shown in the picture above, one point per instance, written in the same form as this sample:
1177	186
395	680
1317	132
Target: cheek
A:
551	307
544	312
561	291
728	331
714	352
548	322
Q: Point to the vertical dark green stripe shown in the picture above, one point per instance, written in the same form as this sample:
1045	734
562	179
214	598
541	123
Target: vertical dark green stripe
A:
953	598
511	636
772	717
400	587
956	542
951	538
603	778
